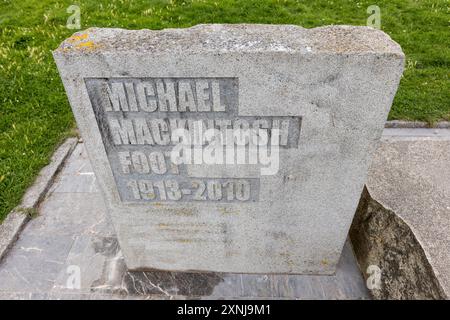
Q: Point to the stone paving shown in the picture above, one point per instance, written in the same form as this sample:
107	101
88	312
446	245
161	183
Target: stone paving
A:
72	235
69	251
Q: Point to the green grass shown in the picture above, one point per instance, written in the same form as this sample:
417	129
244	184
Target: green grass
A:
34	112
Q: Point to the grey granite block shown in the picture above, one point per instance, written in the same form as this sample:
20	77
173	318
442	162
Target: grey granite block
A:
331	86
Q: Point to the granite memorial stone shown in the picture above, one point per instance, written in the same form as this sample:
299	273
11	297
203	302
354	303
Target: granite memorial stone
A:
231	148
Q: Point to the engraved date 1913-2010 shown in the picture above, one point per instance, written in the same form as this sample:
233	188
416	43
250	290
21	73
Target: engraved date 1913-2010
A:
195	189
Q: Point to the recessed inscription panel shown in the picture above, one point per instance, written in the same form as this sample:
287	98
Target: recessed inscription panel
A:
140	120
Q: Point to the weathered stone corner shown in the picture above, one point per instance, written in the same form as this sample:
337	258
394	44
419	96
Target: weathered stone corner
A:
381	238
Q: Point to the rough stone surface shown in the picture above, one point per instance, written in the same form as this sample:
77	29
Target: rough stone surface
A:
338	82
402	224
73	232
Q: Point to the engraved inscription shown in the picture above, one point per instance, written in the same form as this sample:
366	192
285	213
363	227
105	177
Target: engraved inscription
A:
139	119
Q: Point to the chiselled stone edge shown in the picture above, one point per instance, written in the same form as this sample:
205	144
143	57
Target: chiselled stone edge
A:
13	224
417	124
380	237
334	39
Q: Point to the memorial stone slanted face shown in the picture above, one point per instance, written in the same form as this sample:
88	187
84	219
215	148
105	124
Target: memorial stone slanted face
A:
231	148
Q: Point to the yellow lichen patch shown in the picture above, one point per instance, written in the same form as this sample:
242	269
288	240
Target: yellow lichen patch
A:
79	41
324	262
77	37
87	44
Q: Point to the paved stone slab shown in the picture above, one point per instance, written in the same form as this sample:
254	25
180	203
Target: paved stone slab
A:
73	233
18	217
403	222
321	95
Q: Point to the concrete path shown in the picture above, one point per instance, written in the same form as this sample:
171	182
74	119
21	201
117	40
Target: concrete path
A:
73	237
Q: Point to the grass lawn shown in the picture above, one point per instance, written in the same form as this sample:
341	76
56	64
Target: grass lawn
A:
34	111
